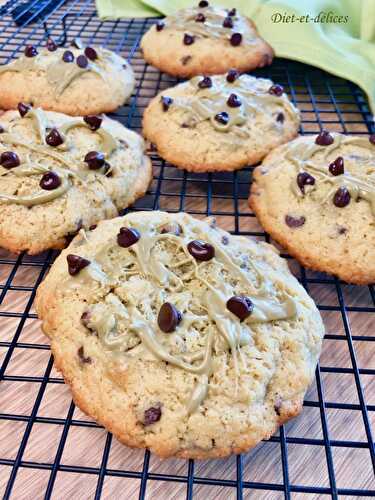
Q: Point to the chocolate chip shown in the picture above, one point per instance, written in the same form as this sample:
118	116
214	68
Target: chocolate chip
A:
222	118
236	39
342	230
225	240
240	306
232	75
168	318
152	415
202	4
93	121
160	26
127	237
94	160
76	264
1	130
228	22
9	159
68	56
171	228
324	138
305	179
188	39
342	197
50	181
234	101
82	61
30	51
232	12
372	139
85	318
23	108
93	226
166	102
54	138
294	221
90	53
82	357
337	167
51	45
205	83
280	117
276	89
185	60
201	250
200	18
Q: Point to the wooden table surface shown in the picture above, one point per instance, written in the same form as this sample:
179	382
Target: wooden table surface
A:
24	353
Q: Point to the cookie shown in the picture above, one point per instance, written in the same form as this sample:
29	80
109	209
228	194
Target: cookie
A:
75	81
177	336
316	197
222	122
59	173
205	40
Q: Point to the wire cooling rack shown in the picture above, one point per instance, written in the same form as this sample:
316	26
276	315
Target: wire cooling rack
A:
49	449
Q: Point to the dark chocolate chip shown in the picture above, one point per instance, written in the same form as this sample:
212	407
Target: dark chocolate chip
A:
171	228
166	102
228	22
90	53
93	226
9	159
51	45
76	264
201	250
305	179
188	39
185	60
232	75
85	318
342	197
372	139
337	167
222	118
205	83
280	117
160	26
68	56
82	357
240	306
54	138
50	181
1	130
202	4
200	18
294	221
30	51
276	89
168	318
93	121
324	138
23	108
94	160
225	240
232	12
82	61
236	39
152	415
234	101
127	237
342	230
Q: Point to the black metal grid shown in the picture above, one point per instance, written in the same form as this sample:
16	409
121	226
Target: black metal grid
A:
325	101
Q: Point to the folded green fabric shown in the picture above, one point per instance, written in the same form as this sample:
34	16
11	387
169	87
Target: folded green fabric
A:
335	35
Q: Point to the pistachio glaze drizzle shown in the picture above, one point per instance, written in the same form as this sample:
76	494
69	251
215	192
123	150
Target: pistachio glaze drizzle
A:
212	27
221	327
60	74
65	169
360	186
206	103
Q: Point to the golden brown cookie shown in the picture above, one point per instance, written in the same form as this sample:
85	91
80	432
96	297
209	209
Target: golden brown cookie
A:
205	40
179	337
316	197
222	122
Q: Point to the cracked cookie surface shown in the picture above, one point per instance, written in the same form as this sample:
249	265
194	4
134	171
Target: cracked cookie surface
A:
179	337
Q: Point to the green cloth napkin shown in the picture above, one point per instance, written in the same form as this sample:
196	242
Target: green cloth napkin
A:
346	48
